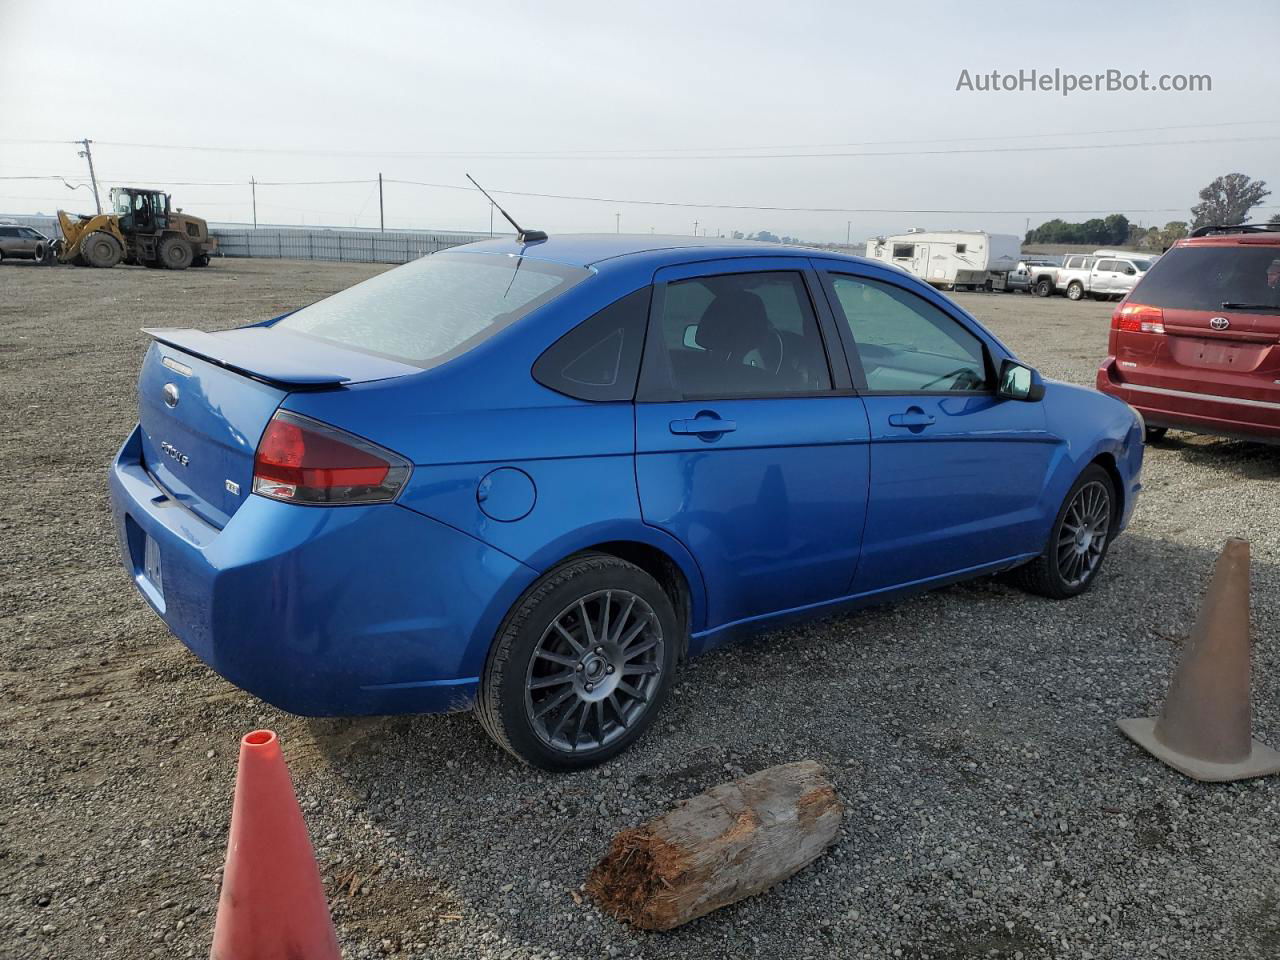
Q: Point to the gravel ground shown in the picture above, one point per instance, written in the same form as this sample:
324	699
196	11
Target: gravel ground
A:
993	809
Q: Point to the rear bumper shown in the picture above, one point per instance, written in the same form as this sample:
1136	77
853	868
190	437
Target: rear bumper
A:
1256	420
319	611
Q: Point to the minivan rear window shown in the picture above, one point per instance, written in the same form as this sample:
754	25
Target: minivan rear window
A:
1204	278
436	308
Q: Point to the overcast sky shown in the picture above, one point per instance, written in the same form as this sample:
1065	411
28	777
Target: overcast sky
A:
676	90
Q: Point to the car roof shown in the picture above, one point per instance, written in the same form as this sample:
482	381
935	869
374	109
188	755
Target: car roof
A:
594	249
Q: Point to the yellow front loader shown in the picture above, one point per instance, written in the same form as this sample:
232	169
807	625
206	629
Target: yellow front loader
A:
140	229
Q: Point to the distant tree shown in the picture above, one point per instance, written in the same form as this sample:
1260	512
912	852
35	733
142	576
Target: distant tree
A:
1112	230
766	236
1275	218
739	235
1228	200
1173	230
1116	227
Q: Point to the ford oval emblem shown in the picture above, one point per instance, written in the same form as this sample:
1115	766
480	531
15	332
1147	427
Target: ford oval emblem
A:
170	395
1219	323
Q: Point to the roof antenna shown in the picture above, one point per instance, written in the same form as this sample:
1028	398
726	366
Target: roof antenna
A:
522	235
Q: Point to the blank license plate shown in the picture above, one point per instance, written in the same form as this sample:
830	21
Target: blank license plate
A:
151	565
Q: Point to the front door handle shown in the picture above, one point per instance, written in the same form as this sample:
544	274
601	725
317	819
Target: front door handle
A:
706	425
913	419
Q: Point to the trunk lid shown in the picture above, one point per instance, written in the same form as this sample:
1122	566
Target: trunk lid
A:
204	400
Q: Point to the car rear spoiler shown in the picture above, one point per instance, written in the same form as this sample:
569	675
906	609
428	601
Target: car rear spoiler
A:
245	352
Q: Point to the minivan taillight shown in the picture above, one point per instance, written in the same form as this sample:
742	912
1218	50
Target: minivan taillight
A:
1138	318
301	460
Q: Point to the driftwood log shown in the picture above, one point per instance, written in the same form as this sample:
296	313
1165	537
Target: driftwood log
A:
732	842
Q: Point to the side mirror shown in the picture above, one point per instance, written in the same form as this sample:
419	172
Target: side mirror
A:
1020	383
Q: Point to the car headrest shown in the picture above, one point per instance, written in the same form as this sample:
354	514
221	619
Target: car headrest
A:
734	322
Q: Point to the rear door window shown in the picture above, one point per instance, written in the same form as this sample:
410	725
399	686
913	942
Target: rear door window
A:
743	335
436	308
1206	278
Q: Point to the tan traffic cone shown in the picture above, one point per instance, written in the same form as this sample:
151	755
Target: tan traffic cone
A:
1205	729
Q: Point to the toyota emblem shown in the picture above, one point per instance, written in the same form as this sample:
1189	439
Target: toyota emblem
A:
170	395
1219	323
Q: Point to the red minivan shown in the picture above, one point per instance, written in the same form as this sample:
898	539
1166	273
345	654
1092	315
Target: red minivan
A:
1196	345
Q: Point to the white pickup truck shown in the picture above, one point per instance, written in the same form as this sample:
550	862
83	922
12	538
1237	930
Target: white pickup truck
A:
1102	276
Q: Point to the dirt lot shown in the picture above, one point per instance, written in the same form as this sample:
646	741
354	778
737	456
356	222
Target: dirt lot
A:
993	809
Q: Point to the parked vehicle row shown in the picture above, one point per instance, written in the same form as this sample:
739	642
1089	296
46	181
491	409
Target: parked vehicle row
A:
1103	275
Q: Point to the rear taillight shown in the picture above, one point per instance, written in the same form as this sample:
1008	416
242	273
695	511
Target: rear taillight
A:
304	461
1138	318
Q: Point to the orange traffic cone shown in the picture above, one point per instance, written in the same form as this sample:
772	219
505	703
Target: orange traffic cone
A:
1205	729
272	905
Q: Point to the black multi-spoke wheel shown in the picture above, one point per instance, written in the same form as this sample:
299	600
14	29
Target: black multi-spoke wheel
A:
581	665
1082	536
1078	543
594	670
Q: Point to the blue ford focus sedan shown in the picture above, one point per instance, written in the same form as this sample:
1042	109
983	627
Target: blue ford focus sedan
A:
533	477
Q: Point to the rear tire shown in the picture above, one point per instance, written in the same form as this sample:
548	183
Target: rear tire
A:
1075	290
101	250
176	253
1078	541
581	666
1156	434
1043	288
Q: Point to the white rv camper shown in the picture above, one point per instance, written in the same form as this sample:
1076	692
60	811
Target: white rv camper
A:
951	258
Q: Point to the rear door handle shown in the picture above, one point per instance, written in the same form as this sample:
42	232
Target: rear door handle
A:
914	418
707	426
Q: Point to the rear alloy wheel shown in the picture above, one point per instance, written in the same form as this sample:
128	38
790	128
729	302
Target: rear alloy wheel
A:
100	250
1075	290
582	665
1079	540
176	253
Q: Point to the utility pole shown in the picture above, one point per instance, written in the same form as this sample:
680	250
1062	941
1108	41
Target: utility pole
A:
253	186
695	228
617	223
382	222
93	178
848	225
491	218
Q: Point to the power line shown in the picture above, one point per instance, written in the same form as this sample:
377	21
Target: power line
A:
679	204
778	209
653	153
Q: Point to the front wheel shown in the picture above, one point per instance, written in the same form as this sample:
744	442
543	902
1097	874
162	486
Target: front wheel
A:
581	666
1043	288
176	253
1078	542
1075	290
101	250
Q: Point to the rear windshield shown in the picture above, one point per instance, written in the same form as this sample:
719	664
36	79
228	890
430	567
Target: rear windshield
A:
436	308
1204	278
